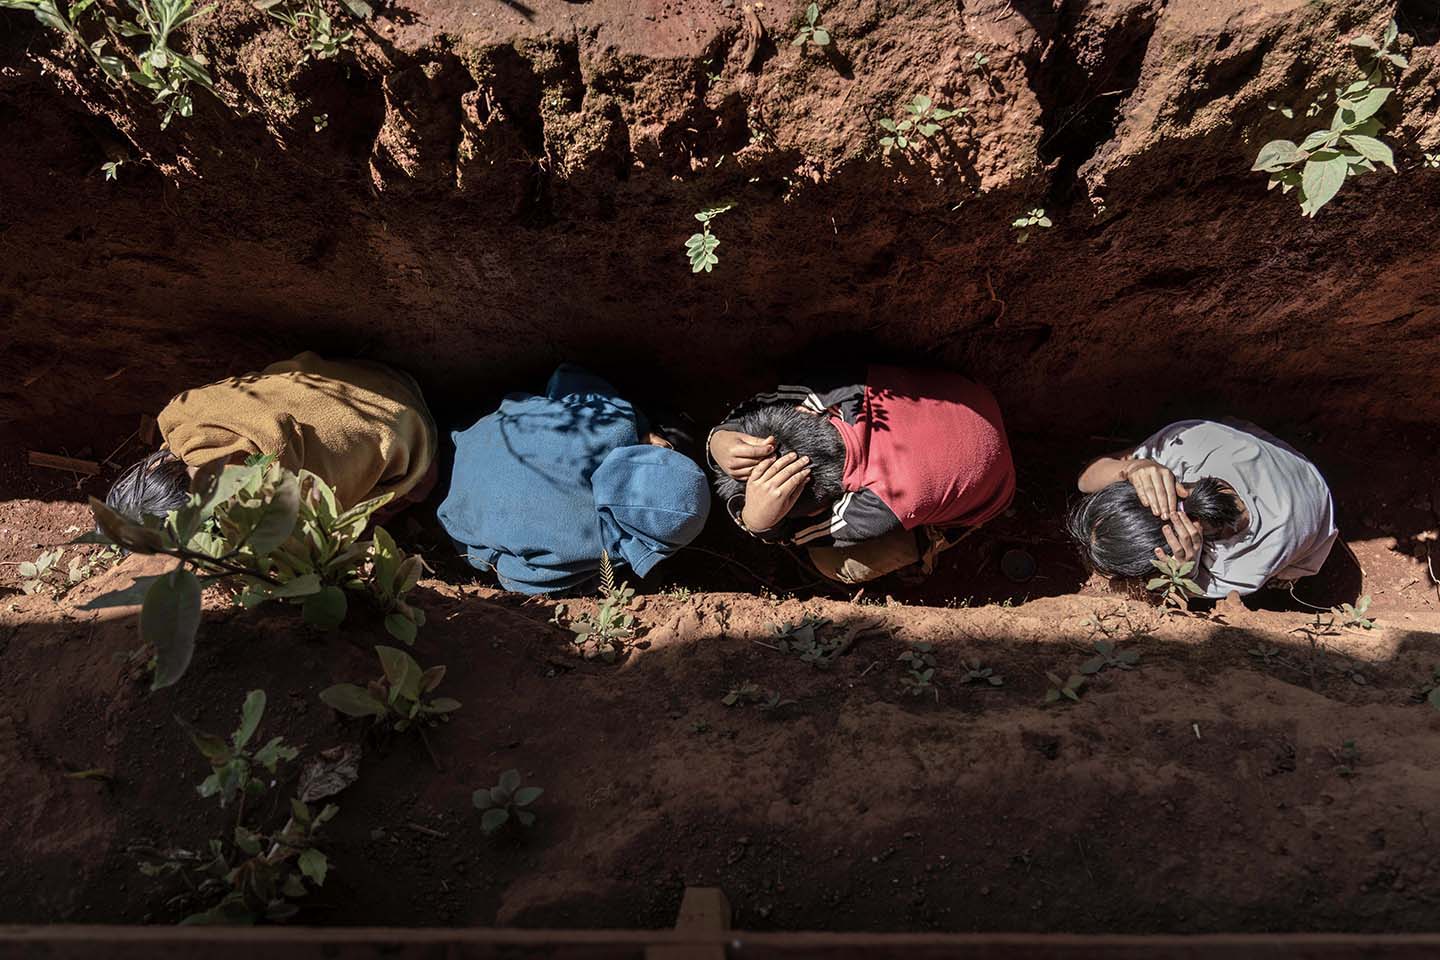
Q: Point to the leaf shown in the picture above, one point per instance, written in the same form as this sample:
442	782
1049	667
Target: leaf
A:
275	750
527	795
509	780
1093	665
1371	149
246	840
325	609
277	518
1276	155
250	715
313	865
1318	139
29	570
442	705
401	671
494	819
887	124
822	36
481	799
352	700
1365	107
124	532
402	628
799	37
169	620
302	586
1156	584
928	129
1364	42
359	8
921	103
331	772
1433	698
431	678
215	750
940	113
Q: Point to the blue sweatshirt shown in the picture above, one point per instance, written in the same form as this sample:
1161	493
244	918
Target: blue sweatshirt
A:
546	483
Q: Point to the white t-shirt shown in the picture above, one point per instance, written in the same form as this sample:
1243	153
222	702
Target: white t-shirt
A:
1292	517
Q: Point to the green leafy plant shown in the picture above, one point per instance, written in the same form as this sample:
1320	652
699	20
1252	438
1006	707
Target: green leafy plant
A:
811	30
33	573
1066	689
310	23
398	697
1175	582
982	61
112	169
255	877
610	632
1353	615
919	677
1107	656
700	248
1321	162
1432	161
918	123
1430	692
152	63
1030	221
232	763
505	802
275	534
983	675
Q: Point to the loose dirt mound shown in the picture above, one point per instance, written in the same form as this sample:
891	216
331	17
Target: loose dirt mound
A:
1209	788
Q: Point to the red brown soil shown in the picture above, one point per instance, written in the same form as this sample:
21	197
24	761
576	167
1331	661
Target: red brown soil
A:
502	185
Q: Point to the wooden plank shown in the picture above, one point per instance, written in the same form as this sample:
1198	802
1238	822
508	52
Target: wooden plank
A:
704	912
53	461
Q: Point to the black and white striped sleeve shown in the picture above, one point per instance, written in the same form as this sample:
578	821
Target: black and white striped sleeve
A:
856	517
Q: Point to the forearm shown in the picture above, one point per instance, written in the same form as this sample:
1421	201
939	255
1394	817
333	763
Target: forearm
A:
1104	471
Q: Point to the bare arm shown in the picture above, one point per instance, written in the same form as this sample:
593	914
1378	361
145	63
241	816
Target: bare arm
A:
1153	482
1103	471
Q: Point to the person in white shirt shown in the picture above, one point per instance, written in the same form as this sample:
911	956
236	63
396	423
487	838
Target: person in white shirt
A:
1244	504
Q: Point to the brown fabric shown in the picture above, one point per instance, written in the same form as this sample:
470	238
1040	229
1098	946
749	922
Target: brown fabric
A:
360	426
868	560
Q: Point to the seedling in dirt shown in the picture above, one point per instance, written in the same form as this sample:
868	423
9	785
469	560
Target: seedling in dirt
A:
398	697
1346	758
983	675
1354	614
152	64
804	640
255	877
917	683
700	248
275	534
1026	222
309	23
1108	656
918	123
232	762
811	30
505	801
773	701
982	62
34	572
1066	689
112	169
1321	162
1264	652
321	121
918	657
1432	161
1175	582
743	693
609	633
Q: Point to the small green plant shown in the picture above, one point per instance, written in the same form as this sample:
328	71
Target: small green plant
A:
1107	656
1175	581
256	877
982	61
321	121
1029	221
398	697
1320	164
112	169
1264	652
309	23
34	572
1347	758
919	677
1066	689
811	30
741	693
610	632
919	122
505	802
977	673
700	248
277	535
1430	692
1353	615
232	763
1432	161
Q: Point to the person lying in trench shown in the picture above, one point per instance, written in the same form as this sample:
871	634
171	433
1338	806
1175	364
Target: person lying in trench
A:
1248	507
547	484
871	477
361	427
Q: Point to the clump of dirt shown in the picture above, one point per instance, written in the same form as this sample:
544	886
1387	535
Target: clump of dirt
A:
1247	755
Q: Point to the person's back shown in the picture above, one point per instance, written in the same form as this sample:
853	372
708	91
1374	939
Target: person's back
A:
361	426
1291	514
545	484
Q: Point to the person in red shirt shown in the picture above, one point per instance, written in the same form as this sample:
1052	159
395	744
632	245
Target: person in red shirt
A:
866	476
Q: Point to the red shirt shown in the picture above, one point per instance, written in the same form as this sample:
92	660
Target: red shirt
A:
931	445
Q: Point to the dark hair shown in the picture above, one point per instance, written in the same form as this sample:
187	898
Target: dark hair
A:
151	488
675	426
807	434
1117	534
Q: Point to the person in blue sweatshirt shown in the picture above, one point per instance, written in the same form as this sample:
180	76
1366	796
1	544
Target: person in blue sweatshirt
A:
546	484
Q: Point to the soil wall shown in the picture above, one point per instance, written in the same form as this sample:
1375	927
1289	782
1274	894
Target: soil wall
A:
499	185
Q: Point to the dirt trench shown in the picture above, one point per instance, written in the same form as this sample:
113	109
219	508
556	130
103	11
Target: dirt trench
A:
500	186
